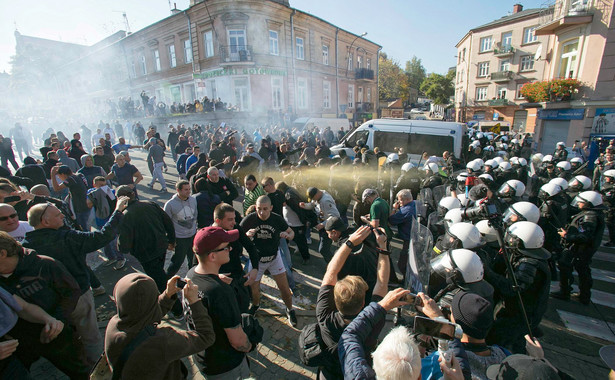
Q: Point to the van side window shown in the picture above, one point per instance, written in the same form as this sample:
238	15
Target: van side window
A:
388	141
432	144
352	140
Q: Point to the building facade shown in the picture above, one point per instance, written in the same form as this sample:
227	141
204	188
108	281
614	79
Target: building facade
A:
258	56
493	62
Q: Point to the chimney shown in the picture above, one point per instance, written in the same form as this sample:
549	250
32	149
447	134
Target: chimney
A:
517	8
175	11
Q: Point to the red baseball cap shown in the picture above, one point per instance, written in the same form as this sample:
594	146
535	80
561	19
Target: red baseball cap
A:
208	238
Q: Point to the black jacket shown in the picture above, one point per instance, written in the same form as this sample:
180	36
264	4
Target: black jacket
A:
70	247
35	173
221	187
146	231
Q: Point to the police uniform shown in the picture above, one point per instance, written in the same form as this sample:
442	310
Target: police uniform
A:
608	196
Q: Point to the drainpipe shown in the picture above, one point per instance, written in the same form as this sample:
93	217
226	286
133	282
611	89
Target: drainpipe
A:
190	39
378	82
337	77
292	56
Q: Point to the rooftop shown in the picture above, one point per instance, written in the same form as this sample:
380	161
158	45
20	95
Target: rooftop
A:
510	18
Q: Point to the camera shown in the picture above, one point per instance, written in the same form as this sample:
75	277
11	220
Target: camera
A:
439	329
180	283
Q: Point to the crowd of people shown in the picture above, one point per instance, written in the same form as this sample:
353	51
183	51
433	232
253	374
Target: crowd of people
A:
504	222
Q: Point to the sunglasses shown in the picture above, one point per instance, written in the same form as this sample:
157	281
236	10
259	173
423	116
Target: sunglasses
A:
5	218
228	247
44	211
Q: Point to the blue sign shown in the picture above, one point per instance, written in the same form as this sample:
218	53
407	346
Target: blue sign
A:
496	116
562	114
478	116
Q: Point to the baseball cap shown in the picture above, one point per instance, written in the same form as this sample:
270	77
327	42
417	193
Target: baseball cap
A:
64	170
284	162
521	367
208	238
250	146
311	192
334	223
473	313
368	193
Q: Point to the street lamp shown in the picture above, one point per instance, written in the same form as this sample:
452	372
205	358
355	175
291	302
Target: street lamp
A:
350	49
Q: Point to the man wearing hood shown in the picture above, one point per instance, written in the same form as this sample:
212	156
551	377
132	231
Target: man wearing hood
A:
32	170
155	161
77	186
76	150
67	161
140	308
89	170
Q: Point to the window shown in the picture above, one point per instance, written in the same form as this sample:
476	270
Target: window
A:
353	139
242	93
463	55
175	94
483	69
528	35
350	58
432	144
350	96
213	92
326	94
518	91
568	59
237	40
157	60
360	95
501	92
273	43
368	63
506	40
463	73
299	44
369	94
189	93
187	51
143	66
481	93
302	95
172	58
485	44
387	141
359	62
208	42
133	69
325	55
276	93
527	63
505	65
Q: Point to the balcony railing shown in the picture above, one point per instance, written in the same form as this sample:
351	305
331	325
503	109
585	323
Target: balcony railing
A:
503	51
364	107
364	74
559	9
498	102
501	76
236	53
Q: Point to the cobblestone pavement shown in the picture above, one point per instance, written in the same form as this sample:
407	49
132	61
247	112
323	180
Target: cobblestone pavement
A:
276	358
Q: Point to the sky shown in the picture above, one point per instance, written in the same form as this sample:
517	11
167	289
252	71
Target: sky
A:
404	28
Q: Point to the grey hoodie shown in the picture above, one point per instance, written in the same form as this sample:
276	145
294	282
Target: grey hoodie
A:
70	162
183	214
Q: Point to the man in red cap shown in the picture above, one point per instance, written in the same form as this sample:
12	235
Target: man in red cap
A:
226	358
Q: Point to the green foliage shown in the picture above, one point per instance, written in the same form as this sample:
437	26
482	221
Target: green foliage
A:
415	72
393	81
550	90
438	87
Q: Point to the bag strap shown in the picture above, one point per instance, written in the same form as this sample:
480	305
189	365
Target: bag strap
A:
148	331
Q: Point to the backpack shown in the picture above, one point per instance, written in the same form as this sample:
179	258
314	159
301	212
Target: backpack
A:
312	349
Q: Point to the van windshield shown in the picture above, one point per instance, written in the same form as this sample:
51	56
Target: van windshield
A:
352	140
432	144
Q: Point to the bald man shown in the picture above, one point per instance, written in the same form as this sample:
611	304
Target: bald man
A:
10	223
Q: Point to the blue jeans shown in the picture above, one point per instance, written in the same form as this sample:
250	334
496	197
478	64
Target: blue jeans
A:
110	250
285	254
324	246
83	218
157	175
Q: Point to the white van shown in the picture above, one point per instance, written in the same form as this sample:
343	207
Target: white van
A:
321	122
416	136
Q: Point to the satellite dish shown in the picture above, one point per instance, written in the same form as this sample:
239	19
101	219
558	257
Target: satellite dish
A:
538	53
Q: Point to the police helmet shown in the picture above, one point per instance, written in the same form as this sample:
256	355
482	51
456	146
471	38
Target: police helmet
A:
564	165
594	198
521	211
452	217
581	182
511	188
505	166
488	233
407	166
560	182
460	265
392	157
449	203
547	158
528	238
467	234
549	190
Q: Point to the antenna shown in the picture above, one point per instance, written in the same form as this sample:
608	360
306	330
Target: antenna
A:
538	53
126	24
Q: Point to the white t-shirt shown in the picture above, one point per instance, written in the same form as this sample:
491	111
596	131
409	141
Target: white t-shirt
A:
20	233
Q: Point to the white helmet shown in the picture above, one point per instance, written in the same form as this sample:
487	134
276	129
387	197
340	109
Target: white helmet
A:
522	162
467	233
449	203
480	135
490	137
433	167
576	160
452	217
475	144
510	186
488	148
486	176
493	163
487	232
582	182
609	173
564	165
528	238
505	166
467	262
592	197
392	157
514	141
480	161
537	157
505	146
463	199
462	176
561	143
407	166
473	166
560	182
549	189
498	159
514	160
504	138
547	158
523	211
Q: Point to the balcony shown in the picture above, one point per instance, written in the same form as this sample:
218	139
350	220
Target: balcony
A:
504	51
367	74
364	107
236	54
501	76
498	102
564	14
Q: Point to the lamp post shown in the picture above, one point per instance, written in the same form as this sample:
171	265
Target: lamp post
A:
348	62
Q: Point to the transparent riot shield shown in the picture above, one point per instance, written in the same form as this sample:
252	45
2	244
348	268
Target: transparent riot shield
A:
439	192
433	219
426	197
419	255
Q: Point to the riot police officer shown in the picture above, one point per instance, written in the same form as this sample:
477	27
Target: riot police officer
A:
553	216
578	184
608	196
410	178
560	154
582	237
564	170
433	177
511	191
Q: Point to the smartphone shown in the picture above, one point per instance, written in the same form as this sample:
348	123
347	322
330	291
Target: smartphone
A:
180	283
12	198
412	299
436	329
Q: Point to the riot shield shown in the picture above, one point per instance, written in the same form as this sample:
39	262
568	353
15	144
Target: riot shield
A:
426	197
439	192
419	254
433	219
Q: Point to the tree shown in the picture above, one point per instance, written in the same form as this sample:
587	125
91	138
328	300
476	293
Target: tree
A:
415	72
392	79
438	87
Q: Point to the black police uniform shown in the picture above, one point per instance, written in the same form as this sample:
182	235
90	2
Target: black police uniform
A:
608	196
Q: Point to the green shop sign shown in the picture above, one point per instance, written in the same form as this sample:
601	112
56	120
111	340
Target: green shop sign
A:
244	71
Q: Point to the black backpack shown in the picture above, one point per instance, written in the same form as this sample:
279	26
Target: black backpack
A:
313	351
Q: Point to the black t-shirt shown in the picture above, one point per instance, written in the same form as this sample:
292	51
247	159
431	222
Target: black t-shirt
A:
267	237
277	201
78	193
221	303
